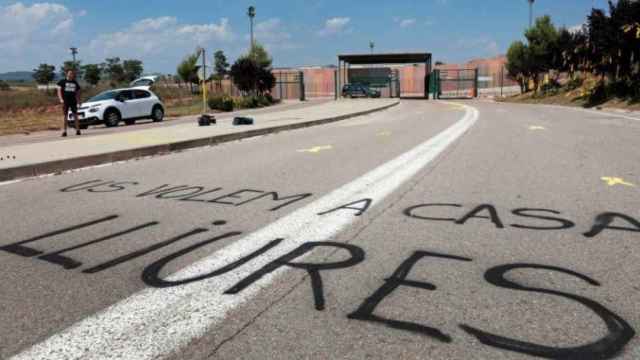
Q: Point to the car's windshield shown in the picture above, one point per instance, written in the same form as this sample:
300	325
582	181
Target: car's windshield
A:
143	82
107	95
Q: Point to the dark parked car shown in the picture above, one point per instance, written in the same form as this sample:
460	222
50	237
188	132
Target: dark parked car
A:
357	90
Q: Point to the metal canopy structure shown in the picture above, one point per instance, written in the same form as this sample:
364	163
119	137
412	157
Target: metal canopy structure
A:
345	61
387	59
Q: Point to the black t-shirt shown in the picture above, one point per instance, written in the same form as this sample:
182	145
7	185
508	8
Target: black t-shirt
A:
69	90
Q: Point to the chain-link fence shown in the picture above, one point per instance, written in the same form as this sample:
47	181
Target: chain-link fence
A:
494	81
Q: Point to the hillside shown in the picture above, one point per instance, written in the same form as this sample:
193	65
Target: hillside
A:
15	76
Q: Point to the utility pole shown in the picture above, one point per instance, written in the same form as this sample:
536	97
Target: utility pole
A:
251	12
531	13
74	52
203	77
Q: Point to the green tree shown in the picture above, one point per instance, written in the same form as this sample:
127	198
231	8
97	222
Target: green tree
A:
70	65
266	80
188	70
4	86
92	73
44	74
542	39
114	70
599	43
518	64
260	56
132	69
221	66
625	45
245	74
252	72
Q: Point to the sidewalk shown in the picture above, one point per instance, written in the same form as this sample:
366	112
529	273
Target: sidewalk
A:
100	130
27	160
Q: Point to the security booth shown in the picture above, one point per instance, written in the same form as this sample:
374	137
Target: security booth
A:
384	72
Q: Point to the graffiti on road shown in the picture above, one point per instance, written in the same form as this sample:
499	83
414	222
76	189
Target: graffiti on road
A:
619	331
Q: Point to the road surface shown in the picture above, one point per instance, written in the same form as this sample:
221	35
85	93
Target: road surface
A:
432	230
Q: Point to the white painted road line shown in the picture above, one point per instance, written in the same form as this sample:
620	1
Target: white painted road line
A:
156	322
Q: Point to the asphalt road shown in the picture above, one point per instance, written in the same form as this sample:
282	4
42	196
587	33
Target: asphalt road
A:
432	230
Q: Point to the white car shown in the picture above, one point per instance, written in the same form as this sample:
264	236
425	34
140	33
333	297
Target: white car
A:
112	106
144	82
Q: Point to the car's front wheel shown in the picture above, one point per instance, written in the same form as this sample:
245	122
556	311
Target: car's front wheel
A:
157	114
112	118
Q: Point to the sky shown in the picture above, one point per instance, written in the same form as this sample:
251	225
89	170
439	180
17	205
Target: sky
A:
295	32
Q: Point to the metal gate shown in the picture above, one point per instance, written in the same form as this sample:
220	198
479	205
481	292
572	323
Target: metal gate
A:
289	85
456	83
395	83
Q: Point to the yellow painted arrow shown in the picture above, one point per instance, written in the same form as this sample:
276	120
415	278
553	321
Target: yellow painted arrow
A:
534	128
316	149
613	181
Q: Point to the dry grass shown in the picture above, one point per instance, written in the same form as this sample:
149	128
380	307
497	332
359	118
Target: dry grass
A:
50	117
26	123
577	97
25	110
29	110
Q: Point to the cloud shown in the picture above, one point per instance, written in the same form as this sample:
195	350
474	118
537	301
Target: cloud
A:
479	46
273	35
576	28
410	22
42	31
334	26
407	23
82	13
159	36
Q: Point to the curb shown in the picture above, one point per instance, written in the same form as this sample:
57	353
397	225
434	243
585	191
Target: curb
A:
59	166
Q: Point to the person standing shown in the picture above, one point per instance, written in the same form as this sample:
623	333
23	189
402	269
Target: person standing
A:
69	96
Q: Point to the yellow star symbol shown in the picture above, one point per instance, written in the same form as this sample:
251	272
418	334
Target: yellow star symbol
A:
316	149
613	181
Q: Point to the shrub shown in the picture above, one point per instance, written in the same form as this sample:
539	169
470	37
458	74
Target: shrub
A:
270	98
247	102
620	89
597	95
551	87
222	103
575	83
263	101
215	103
227	104
4	86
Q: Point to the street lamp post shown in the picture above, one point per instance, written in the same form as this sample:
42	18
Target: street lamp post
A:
372	45
531	12
251	12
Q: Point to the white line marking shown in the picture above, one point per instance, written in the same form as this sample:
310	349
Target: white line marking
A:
157	322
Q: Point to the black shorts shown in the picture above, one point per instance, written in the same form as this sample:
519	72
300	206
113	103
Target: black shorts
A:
69	106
